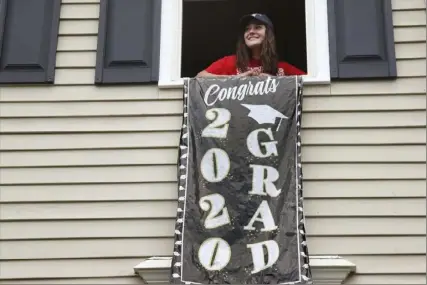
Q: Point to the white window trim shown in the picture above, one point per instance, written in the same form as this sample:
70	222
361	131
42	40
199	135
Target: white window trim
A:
171	39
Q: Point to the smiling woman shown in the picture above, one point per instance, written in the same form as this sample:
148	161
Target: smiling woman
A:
256	52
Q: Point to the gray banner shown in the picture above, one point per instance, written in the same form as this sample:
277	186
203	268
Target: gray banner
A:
240	213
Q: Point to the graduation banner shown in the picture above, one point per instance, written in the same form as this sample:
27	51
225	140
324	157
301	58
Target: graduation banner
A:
240	215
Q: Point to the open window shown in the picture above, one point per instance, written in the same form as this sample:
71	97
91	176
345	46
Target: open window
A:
210	30
194	33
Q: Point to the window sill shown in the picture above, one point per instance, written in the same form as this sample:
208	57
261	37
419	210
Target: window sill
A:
326	269
179	83
169	84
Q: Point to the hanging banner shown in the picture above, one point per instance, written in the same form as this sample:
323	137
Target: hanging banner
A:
240	209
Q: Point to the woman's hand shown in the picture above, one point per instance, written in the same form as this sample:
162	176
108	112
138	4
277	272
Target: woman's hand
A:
255	72
247	73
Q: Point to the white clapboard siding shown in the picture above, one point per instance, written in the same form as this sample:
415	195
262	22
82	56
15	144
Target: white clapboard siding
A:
134	139
410	59
398	5
405	18
168	173
85	76
408	67
83	11
131	280
168	156
97	1
410	50
401	86
363	207
410	34
78	76
94	1
73	43
69	268
146	247
88	175
174	107
71	47
332	120
137	228
78	27
146	191
328	137
355	279
398	87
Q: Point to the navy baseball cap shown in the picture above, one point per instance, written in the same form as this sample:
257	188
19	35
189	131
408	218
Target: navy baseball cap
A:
257	16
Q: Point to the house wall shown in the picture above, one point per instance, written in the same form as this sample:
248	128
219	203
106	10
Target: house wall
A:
88	174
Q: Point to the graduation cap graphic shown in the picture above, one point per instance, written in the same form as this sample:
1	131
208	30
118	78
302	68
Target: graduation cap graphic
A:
264	114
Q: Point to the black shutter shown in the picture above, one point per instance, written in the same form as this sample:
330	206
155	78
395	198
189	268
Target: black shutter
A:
28	40
128	41
361	39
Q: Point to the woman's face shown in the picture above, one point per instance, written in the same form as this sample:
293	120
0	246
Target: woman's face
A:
254	34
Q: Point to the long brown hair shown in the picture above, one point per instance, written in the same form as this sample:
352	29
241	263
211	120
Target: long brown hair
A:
269	58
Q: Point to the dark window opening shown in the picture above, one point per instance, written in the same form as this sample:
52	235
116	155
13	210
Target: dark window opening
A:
210	30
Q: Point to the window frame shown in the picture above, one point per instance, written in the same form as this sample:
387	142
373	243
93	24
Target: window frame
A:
317	40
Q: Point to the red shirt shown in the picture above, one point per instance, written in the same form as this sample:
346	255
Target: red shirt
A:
227	66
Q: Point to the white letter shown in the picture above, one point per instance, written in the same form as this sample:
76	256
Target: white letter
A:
273	88
214	254
258	254
250	89
209	92
258	181
241	92
219	127
259	88
262	214
267	85
232	93
215	165
254	145
222	94
214	203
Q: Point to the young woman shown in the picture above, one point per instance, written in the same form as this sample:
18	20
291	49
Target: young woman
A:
256	52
